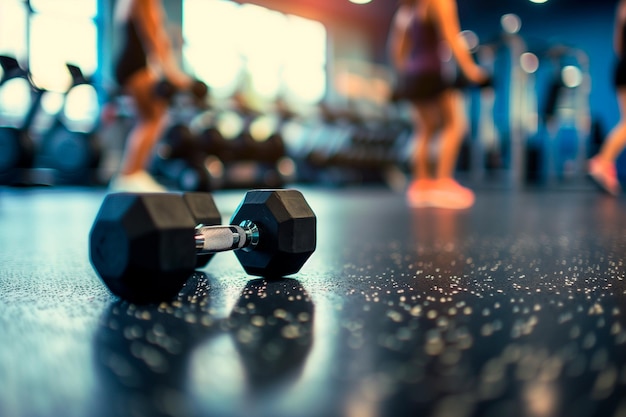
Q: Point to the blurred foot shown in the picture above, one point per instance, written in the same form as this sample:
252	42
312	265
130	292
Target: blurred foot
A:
137	182
447	193
418	193
605	175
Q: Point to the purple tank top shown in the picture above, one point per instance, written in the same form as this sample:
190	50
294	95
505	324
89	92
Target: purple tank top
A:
424	55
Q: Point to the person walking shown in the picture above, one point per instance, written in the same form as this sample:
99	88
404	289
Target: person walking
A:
418	29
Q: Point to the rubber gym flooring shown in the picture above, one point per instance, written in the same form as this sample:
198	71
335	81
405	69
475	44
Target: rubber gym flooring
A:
516	307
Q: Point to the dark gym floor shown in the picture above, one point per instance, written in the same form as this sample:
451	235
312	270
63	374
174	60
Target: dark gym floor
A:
516	307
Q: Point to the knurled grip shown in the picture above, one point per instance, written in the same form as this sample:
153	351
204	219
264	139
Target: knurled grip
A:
211	239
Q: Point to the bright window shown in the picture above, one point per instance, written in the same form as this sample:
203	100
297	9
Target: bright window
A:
56	40
13	17
60	31
218	63
305	70
254	49
85	9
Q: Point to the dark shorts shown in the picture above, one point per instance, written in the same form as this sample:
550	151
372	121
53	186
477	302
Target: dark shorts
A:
419	87
132	55
126	68
619	75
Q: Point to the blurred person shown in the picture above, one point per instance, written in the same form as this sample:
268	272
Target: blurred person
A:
417	31
146	57
602	166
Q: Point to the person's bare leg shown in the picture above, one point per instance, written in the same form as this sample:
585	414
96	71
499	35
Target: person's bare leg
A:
425	119
452	134
447	193
151	118
616	140
602	166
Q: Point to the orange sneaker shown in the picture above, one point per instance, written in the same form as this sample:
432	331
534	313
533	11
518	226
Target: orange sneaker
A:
605	175
418	193
447	193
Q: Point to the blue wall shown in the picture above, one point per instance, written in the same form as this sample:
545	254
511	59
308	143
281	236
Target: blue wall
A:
588	27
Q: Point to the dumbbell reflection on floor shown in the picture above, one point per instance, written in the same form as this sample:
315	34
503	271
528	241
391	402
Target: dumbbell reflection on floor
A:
145	246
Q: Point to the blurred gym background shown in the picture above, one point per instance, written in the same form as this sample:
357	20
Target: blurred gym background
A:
299	91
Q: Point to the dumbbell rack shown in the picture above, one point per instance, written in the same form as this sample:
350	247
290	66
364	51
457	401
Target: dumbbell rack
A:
340	149
234	159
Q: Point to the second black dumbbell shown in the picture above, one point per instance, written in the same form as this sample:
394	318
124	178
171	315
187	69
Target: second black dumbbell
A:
145	246
166	90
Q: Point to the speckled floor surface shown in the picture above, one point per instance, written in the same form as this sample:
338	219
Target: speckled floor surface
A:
516	307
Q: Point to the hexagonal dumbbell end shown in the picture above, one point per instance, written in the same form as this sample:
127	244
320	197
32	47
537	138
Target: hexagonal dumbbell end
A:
287	232
142	245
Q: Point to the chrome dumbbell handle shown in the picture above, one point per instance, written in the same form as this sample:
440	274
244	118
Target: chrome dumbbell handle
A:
212	239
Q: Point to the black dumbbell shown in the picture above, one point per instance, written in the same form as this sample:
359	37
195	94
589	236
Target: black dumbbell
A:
166	90
145	246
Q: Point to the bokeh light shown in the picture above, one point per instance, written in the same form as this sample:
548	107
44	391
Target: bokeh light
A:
572	76
511	23
529	62
15	100
471	39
